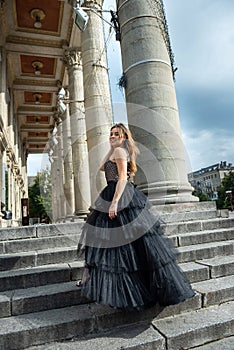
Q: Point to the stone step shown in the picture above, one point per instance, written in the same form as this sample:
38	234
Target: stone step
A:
39	276
199	225
197	328
69	240
40	231
22	331
134	337
190	238
35	243
195	271
219	266
185	207
183	331
47	297
60	295
23	288
223	344
204	251
67	254
38	258
189	216
215	290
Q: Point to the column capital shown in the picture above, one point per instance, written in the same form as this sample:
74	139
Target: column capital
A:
93	3
72	57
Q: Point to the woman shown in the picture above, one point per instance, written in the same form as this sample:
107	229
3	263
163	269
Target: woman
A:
129	263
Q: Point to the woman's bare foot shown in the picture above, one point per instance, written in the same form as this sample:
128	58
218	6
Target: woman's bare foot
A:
85	277
79	283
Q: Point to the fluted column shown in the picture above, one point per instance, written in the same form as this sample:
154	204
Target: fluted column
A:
98	108
68	165
80	159
151	101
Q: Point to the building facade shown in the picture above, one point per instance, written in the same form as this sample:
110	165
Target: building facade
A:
207	180
55	99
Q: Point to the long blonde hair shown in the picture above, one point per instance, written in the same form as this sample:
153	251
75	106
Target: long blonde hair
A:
130	145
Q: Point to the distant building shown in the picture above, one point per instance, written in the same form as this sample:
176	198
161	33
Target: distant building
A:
31	180
207	180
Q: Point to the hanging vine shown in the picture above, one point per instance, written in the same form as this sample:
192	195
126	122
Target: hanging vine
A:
158	9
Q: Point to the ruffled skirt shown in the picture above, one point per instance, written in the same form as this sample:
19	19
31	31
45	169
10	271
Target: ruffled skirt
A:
131	264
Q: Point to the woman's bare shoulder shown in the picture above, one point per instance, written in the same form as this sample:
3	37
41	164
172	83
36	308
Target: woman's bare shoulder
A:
120	152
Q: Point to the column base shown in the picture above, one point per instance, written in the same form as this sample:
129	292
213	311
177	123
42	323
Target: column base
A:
168	193
82	214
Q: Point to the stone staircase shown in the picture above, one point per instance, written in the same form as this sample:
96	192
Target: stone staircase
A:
42	309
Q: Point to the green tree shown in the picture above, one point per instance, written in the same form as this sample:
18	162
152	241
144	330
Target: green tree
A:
202	196
40	194
227	185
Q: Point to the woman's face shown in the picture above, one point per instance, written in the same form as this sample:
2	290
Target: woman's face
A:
116	137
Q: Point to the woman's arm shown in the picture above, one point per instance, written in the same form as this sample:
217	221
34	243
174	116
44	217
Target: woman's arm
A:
121	161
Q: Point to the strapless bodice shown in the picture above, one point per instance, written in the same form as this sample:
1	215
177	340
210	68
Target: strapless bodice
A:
111	171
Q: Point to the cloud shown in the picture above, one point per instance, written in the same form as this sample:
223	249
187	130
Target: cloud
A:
208	146
206	108
202	41
36	162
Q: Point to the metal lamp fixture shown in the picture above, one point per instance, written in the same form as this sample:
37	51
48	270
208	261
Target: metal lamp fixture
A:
37	65
37	98
37	15
81	18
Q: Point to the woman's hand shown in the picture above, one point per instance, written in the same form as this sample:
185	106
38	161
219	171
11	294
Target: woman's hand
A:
113	210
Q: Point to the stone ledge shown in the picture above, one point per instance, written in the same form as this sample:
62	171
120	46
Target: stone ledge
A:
216	290
219	266
33	277
197	328
136	337
223	344
208	250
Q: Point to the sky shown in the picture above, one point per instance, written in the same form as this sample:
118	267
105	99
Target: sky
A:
202	40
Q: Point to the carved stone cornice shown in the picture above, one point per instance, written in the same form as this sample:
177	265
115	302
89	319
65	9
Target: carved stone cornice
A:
72	57
40	110
35	82
34	41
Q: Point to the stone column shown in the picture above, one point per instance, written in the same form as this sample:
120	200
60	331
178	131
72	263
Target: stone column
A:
60	188
151	102
11	193
1	177
98	110
53	162
57	184
80	159
11	183
68	166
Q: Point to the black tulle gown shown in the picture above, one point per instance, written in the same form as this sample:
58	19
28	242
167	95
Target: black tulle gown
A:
131	264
